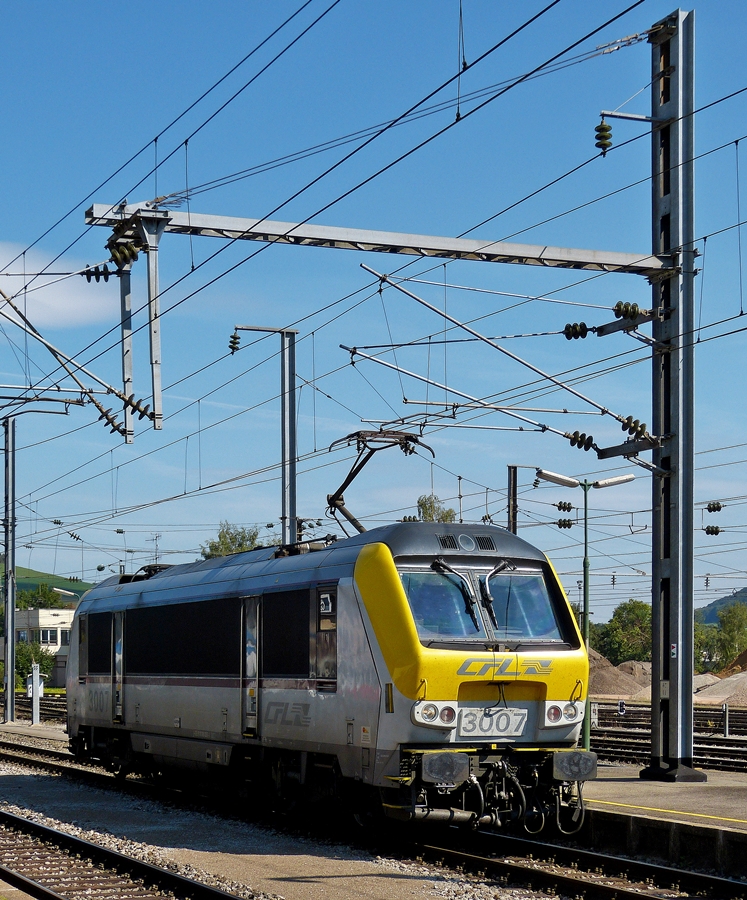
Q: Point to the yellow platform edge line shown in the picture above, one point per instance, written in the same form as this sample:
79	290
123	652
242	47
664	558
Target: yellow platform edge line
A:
678	812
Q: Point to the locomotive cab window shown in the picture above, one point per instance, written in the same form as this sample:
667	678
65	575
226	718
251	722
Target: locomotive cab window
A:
520	606
443	606
326	639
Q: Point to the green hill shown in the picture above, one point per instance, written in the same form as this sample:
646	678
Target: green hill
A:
28	579
708	615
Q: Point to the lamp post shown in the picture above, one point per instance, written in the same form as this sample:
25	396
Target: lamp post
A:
567	481
9	577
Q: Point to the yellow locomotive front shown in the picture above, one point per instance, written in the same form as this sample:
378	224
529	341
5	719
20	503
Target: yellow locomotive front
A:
485	679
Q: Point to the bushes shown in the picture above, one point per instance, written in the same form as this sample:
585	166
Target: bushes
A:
26	655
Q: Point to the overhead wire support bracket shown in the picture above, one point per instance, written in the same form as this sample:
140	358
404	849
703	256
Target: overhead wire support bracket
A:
644	316
629	448
608	114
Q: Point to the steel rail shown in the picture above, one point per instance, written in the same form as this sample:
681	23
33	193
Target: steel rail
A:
113	860
630	878
32	888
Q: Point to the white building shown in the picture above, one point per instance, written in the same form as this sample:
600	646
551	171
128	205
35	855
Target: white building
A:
51	629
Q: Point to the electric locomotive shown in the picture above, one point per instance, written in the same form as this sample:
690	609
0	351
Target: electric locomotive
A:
427	671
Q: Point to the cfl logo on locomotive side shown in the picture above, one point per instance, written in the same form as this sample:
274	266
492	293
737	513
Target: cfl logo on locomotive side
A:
279	713
477	668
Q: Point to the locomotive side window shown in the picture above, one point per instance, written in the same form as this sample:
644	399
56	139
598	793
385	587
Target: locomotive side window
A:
326	639
200	638
99	643
286	634
441	607
83	645
522	607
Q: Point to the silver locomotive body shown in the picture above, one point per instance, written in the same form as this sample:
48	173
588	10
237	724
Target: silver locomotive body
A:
426	670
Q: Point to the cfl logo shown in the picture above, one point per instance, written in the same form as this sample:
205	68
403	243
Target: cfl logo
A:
290	714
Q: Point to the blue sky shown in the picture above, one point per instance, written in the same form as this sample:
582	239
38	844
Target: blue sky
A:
88	86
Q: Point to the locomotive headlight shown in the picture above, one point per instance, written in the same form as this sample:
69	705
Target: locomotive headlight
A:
562	713
429	712
447	715
434	715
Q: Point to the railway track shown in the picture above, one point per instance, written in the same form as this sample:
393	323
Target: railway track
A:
62	762
49	865
540	866
578	873
710	752
52	708
707	720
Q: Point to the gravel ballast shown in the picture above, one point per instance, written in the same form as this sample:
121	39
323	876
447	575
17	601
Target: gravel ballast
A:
244	859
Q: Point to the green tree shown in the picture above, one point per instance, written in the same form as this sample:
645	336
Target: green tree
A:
431	509
40	597
732	636
231	539
628	633
706	646
27	654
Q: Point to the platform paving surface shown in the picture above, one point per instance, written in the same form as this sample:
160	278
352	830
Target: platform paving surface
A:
45	731
719	802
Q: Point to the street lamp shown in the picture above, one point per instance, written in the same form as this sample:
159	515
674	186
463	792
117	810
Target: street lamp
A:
567	481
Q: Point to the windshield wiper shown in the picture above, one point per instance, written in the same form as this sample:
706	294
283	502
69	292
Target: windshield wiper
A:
487	599
440	565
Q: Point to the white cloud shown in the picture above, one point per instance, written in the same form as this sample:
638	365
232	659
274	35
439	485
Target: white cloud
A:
52	301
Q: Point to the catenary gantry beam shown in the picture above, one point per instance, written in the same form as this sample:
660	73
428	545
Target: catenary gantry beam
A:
125	219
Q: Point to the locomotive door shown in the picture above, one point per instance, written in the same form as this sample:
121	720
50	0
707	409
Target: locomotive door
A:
250	666
118	668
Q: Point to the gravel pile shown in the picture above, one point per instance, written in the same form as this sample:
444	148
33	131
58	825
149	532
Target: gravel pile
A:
700	682
731	690
596	660
639	671
611	682
607	681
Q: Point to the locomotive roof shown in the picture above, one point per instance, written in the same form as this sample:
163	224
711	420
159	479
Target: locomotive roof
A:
226	575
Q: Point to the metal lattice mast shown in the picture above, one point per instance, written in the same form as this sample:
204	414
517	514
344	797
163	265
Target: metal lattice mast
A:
673	408
9	424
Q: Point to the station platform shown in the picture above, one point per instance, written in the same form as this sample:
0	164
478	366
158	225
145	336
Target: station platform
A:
46	731
682	824
720	802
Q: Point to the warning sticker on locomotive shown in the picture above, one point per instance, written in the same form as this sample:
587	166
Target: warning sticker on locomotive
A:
492	722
